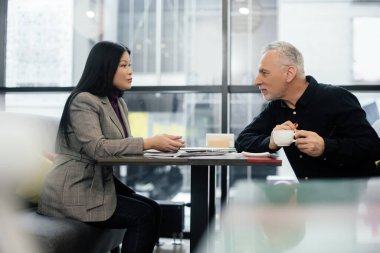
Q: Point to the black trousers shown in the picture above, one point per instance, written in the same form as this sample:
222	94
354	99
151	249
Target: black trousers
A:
141	217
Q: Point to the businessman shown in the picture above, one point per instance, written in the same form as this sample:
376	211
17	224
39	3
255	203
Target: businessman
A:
332	135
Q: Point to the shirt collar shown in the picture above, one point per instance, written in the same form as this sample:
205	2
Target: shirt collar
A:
307	95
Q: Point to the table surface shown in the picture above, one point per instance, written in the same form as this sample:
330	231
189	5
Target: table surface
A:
227	159
312	216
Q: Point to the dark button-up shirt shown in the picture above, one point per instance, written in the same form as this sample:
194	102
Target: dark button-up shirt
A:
351	144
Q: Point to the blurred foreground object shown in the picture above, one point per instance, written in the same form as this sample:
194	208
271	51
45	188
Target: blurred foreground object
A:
310	216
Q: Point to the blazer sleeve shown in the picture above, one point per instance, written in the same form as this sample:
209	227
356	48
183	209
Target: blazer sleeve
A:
91	124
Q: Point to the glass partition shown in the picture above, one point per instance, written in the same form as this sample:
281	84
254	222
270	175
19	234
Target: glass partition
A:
39	49
337	38
191	115
48	41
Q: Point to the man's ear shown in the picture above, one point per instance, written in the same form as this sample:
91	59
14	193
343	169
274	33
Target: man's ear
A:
291	73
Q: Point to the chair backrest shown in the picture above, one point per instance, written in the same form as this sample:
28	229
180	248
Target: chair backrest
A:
23	139
372	112
376	126
23	129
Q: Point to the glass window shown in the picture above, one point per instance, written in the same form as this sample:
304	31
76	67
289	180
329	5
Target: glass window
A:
366	38
253	25
48	41
174	42
39	43
325	35
191	115
338	39
244	108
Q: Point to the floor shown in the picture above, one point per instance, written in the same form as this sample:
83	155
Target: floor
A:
167	246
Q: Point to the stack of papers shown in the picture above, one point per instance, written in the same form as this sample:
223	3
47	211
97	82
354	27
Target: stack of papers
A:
207	149
264	157
190	151
263	154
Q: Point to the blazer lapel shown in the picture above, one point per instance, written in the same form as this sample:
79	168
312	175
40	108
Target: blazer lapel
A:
124	114
110	111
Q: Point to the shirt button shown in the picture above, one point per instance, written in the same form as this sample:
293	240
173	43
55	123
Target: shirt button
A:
301	156
324	159
306	178
294	112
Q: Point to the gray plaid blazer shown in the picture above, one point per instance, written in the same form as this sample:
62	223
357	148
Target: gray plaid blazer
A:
77	187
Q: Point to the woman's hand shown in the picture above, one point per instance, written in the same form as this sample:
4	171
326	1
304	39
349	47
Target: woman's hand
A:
164	142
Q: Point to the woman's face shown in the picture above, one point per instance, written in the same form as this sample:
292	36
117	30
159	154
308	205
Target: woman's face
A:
122	79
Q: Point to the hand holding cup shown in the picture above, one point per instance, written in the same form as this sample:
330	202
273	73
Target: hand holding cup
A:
282	137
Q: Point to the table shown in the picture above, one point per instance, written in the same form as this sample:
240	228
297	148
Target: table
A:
202	182
310	216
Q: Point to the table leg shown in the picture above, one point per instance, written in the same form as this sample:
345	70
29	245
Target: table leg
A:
212	208
224	184
199	217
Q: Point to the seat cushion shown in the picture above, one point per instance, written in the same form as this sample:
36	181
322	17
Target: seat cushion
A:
29	187
60	235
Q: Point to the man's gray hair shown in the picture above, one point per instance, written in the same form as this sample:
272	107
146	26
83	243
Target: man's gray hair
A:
289	53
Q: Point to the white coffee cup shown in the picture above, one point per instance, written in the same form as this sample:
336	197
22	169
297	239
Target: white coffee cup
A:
283	137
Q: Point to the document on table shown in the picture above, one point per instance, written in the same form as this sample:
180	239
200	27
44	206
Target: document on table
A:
181	153
207	149
262	154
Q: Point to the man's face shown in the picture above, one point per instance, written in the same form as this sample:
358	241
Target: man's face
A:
271	76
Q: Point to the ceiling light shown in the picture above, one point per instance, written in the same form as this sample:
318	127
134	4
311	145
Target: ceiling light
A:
244	10
90	14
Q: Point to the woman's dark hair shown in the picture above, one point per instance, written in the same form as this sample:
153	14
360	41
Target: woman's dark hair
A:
97	78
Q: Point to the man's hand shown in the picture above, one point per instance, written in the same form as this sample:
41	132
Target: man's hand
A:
309	143
288	125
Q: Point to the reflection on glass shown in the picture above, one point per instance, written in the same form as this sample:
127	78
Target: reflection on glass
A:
310	216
